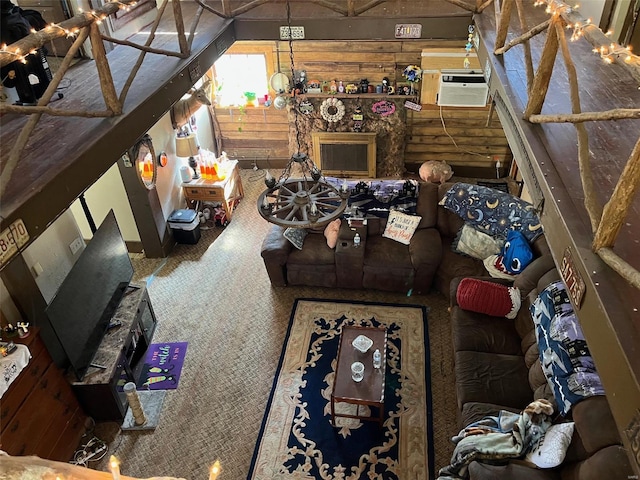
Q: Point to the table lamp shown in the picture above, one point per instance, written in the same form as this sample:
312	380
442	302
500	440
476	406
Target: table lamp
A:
187	146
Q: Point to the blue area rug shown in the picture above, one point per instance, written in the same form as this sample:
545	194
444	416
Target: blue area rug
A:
297	439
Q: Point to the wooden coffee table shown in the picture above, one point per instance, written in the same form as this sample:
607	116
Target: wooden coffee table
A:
370	391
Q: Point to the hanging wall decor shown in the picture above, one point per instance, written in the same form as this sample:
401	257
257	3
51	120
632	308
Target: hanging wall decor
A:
332	110
306	107
384	108
358	118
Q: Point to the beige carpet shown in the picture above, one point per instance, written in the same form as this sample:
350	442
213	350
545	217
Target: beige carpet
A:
216	295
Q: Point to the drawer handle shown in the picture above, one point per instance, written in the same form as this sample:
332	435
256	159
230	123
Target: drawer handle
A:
44	383
58	395
15	426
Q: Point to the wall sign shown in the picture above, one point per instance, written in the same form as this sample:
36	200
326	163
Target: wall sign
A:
297	33
12	239
408	30
572	278
633	435
412	106
384	108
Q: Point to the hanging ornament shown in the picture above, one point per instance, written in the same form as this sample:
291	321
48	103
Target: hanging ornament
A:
469	44
358	118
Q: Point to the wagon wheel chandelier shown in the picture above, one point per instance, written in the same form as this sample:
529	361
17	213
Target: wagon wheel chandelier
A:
302	202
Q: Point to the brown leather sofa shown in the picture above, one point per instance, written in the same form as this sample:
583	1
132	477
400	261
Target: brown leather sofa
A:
378	263
497	367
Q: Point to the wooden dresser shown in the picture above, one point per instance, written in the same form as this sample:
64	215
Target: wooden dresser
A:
39	414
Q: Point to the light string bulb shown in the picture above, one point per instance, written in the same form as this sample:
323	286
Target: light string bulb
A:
610	53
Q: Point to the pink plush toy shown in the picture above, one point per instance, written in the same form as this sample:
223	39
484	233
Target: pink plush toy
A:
436	172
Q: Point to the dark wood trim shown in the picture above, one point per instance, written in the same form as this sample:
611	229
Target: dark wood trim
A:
450	27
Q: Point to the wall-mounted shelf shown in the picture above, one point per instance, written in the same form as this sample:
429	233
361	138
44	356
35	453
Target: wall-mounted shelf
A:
358	95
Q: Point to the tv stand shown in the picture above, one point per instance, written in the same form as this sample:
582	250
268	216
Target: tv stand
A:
118	359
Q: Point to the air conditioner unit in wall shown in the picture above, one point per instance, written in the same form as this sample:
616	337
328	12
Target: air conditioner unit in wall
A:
462	88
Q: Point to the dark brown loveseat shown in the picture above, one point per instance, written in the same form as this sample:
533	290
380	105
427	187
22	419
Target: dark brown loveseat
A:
378	263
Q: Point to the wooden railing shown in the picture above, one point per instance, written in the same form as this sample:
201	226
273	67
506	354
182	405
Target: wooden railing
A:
82	26
606	221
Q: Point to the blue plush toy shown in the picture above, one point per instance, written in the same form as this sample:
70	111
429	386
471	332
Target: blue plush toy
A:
516	252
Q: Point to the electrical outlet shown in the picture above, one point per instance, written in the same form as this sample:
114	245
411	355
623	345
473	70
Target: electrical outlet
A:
76	245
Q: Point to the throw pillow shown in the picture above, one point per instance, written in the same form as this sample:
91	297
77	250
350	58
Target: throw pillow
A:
516	252
295	236
476	244
492	211
400	227
331	233
553	445
495	267
489	298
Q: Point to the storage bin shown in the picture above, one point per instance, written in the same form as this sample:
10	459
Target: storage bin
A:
185	226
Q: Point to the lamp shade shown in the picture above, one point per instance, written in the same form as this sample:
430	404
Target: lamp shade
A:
186	146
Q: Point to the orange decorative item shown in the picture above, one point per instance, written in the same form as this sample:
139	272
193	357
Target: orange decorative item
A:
214	172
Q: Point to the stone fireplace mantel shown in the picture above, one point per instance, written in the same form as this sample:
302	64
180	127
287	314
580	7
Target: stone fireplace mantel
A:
389	130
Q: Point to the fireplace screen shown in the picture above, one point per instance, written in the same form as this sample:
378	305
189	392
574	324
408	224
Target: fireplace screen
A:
345	154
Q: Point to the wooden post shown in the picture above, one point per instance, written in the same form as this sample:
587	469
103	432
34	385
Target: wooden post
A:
503	26
543	75
463	4
523	38
182	39
104	71
591	204
615	114
136	67
483	6
616	209
528	62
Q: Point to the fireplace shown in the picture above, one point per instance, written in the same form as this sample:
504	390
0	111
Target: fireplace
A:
345	154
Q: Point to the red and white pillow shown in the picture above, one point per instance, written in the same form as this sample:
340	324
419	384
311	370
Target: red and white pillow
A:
488	297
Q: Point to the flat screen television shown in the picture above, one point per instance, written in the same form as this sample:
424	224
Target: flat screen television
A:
83	306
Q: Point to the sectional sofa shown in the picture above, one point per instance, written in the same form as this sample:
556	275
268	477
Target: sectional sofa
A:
497	362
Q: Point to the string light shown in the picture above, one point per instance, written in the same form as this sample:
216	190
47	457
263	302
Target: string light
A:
16	53
123	6
608	54
67	32
98	18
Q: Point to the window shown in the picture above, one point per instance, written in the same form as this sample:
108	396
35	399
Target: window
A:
241	78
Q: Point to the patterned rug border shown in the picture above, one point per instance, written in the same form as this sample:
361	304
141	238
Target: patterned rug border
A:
427	370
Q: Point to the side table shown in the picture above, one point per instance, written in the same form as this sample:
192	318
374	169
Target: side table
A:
226	192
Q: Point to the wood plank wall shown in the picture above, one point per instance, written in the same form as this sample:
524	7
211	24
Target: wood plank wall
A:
258	134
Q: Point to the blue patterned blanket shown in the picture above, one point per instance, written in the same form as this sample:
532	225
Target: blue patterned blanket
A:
564	354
